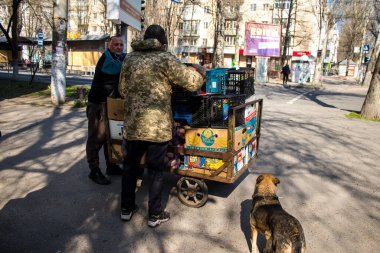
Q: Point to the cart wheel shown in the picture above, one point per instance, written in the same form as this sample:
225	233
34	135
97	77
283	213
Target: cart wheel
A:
192	192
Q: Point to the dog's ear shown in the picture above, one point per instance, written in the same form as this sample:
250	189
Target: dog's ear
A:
259	179
276	181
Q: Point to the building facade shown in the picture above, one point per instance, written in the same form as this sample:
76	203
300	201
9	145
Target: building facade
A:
194	29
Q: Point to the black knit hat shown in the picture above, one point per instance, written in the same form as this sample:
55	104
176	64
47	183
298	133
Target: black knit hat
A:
156	32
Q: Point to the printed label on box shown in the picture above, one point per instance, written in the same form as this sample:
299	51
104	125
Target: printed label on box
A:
213	163
116	129
194	161
206	139
240	137
239	161
251	129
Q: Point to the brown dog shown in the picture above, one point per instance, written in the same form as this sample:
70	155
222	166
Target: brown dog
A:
283	232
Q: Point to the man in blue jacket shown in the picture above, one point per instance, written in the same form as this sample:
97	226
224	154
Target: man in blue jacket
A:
105	83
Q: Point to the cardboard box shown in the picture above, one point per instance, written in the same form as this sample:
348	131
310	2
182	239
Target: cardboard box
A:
240	137
115	108
116	152
116	129
206	139
194	161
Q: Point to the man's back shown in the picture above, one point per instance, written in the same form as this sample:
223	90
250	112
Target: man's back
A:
147	77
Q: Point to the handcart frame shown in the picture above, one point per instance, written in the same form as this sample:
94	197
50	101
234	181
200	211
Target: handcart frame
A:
194	192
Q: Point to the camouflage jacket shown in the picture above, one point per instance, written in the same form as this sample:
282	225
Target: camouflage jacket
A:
146	80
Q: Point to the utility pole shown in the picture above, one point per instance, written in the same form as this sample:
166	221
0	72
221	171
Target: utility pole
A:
58	70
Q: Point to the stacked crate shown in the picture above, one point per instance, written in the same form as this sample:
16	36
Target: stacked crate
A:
224	88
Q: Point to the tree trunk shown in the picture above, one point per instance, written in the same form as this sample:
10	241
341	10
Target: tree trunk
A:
14	45
371	105
58	70
218	60
237	46
287	31
371	64
320	60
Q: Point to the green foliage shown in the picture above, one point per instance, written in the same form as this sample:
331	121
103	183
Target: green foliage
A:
355	115
11	89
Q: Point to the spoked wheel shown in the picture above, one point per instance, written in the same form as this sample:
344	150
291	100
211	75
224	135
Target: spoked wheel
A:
192	192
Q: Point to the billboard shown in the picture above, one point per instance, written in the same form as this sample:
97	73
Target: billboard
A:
262	39
126	11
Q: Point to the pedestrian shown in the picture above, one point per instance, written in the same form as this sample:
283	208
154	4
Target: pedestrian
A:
285	74
146	80
105	82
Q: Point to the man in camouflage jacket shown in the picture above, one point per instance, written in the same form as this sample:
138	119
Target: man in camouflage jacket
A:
146	80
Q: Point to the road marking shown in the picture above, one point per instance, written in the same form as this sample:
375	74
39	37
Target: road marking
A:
296	98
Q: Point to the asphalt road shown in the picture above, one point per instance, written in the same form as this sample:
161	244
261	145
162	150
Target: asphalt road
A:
328	166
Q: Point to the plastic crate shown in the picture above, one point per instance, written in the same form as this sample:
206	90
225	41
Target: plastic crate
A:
215	80
240	81
185	109
212	110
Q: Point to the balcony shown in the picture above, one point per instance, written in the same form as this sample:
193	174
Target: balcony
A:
190	33
230	32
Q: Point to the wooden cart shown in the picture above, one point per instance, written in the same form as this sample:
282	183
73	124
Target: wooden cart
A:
213	154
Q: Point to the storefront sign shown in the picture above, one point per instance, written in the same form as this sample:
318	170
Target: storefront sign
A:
300	53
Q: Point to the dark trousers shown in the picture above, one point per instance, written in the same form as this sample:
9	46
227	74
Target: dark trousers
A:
155	161
285	78
96	135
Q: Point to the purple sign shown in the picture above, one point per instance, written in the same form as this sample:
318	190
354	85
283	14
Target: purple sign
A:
262	39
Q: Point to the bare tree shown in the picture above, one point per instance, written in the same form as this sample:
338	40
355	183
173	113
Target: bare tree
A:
165	13
371	105
11	33
286	44
374	28
218	59
353	27
234	13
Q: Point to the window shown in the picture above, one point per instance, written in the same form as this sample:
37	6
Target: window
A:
205	25
191	26
193	42
266	7
229	40
204	43
253	7
206	9
95	15
188	42
282	4
180	26
230	24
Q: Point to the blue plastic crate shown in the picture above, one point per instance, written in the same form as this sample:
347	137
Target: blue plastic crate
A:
182	112
216	80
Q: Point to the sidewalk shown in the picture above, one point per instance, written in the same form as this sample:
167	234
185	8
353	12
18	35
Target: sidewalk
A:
331	83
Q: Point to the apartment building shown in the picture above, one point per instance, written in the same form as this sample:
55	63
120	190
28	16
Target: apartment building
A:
197	30
194	35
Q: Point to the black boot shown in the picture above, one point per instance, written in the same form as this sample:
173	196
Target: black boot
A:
97	176
113	169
